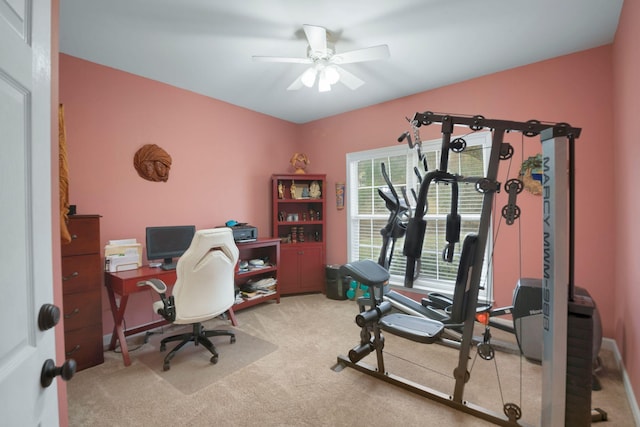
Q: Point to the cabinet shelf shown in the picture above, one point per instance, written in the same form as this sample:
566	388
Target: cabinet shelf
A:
256	300
260	249
303	200
257	272
302	244
285	223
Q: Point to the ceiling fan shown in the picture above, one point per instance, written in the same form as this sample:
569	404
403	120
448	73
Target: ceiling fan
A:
325	62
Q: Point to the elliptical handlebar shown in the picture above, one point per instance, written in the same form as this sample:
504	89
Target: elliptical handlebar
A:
395	227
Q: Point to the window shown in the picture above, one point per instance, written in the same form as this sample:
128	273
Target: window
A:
368	213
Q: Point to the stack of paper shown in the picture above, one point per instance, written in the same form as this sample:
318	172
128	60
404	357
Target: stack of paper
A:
121	255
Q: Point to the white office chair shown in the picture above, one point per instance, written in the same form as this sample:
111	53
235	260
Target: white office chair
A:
204	289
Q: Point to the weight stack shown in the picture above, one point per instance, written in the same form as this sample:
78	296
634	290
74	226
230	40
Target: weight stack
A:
579	361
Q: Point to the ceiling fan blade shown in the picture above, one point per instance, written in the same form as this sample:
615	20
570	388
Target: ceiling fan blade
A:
296	85
317	38
281	59
360	55
348	79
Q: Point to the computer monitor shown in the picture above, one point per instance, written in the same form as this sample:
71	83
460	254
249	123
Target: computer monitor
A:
168	242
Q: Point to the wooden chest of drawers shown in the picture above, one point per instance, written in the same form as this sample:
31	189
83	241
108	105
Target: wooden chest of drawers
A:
82	273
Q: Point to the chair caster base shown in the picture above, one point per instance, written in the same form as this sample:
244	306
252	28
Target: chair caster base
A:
214	359
166	366
233	339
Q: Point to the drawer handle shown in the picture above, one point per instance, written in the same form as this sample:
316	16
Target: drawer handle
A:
73	313
73	350
74	236
71	276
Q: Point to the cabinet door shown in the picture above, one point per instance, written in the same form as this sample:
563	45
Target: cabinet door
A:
288	270
85	346
301	269
81	273
311	269
81	310
85	236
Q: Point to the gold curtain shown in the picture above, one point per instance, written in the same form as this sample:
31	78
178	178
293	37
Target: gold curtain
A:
65	237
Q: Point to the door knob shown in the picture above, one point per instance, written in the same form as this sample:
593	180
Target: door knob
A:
50	371
48	317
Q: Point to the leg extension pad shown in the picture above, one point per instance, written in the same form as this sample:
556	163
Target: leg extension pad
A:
416	329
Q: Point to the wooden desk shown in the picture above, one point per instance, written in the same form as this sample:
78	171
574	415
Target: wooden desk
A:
125	283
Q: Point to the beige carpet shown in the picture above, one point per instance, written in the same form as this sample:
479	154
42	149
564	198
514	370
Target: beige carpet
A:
191	368
294	385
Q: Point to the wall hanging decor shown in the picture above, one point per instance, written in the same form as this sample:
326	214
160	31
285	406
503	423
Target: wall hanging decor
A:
152	163
340	195
531	174
63	165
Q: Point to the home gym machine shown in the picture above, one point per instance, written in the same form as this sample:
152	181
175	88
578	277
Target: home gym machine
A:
526	307
567	317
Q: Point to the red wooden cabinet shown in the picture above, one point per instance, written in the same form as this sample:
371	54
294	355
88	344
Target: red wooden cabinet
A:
298	219
82	271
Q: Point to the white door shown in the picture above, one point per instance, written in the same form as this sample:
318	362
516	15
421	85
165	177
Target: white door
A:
25	212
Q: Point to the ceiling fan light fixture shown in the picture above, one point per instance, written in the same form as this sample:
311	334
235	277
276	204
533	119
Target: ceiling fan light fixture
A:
331	74
308	78
323	82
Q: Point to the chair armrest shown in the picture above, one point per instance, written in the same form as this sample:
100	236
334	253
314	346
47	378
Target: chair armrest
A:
168	309
156	284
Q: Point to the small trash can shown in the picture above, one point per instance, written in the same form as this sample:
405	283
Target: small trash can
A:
336	285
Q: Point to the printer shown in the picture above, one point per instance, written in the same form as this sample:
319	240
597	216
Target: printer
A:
244	233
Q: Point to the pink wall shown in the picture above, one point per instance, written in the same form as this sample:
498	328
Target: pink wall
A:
223	157
626	95
573	89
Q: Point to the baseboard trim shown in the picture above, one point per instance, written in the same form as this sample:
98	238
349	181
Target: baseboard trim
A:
106	339
611	345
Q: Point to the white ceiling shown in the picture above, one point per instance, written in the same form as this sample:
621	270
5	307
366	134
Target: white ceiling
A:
206	45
